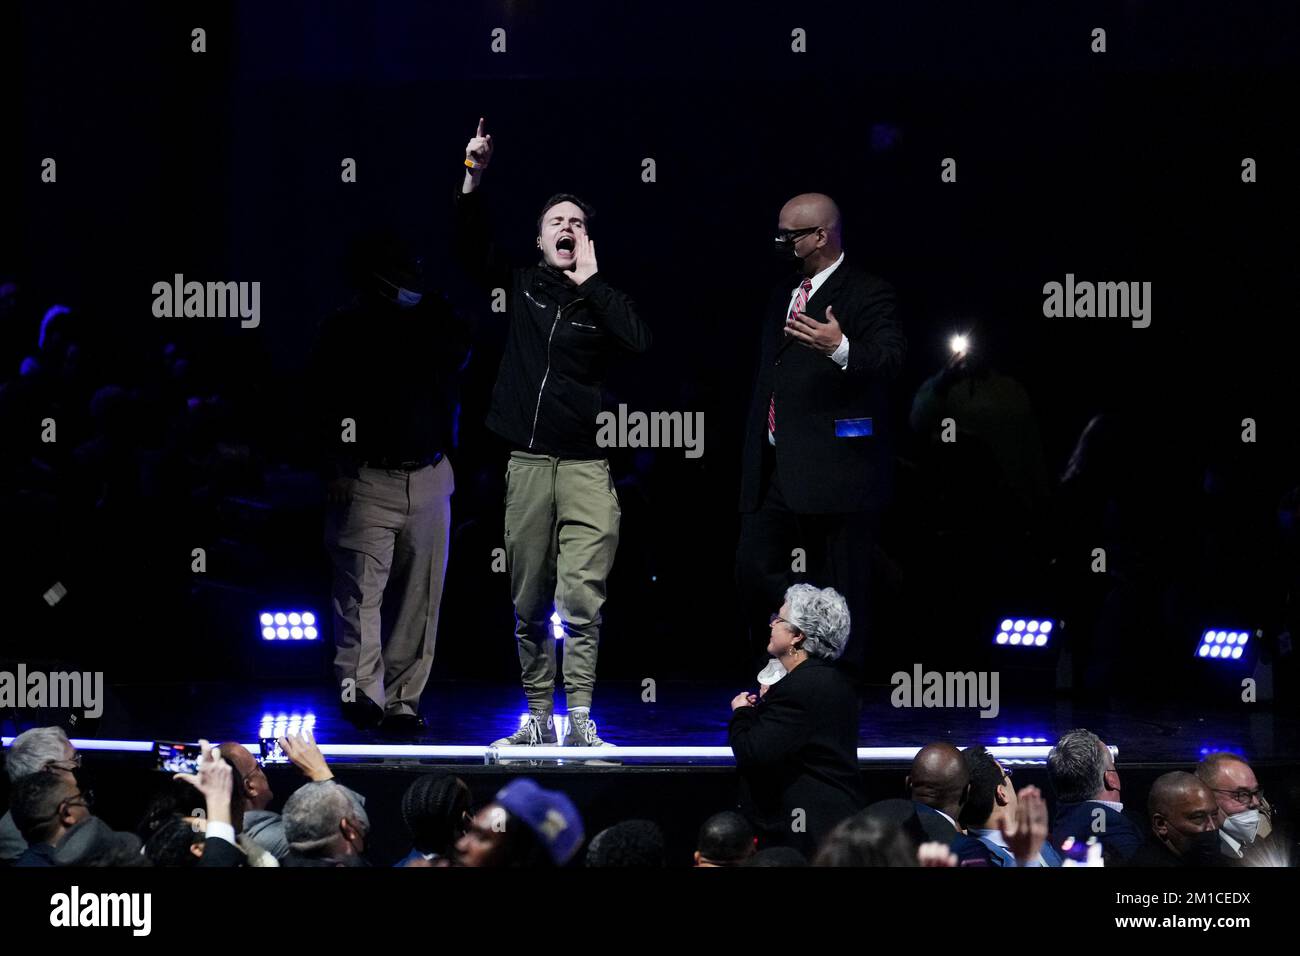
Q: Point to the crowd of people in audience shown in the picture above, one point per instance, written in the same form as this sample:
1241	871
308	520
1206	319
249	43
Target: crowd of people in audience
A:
961	809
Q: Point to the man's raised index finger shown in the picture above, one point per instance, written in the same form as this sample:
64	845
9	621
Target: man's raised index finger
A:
480	127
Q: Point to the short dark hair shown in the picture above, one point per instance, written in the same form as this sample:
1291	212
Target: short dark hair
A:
985	778
169	844
35	804
182	799
635	843
726	837
587	211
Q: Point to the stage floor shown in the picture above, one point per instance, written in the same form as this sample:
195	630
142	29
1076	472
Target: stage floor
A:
688	714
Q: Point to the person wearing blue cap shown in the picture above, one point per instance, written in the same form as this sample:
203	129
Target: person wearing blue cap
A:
525	826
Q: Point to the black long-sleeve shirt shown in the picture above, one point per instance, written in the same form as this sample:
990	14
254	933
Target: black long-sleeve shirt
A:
394	371
561	338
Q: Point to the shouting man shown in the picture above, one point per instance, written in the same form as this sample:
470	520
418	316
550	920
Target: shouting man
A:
561	511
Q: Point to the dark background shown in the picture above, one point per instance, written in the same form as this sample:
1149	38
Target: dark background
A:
225	165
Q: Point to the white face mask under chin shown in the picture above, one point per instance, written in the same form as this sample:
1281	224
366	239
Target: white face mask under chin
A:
1243	826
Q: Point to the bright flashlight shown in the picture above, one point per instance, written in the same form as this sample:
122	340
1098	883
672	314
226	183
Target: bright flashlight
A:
959	344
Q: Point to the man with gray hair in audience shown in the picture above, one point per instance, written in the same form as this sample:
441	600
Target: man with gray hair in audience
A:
33	751
1246	835
797	748
326	825
1087	787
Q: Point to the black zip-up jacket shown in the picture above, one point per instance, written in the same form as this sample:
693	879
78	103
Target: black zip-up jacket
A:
560	341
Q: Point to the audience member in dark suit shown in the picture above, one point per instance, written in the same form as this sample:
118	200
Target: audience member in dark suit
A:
815	473
940	781
1087	787
45	807
1184	824
939	785
1246	830
796	748
1013	826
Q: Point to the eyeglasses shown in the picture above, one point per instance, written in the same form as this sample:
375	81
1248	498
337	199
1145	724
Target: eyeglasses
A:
794	235
778	619
75	760
1243	796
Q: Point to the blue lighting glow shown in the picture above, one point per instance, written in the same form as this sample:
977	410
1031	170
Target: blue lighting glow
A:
280	724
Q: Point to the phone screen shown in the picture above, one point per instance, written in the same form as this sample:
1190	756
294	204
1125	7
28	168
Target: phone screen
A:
271	752
176	757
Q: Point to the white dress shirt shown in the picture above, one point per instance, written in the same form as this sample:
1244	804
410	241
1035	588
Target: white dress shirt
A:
841	354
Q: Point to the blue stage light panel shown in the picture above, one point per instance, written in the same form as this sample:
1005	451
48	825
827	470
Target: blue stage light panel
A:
1222	645
1023	632
288	626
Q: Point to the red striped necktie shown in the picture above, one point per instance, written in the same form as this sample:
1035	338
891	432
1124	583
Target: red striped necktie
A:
800	301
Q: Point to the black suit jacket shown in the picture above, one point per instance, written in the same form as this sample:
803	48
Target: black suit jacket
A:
821	473
1120	837
219	854
797	749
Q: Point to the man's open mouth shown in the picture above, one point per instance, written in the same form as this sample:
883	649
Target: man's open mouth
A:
565	246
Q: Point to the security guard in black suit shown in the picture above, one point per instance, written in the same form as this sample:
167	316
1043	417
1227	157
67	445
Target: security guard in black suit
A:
816	469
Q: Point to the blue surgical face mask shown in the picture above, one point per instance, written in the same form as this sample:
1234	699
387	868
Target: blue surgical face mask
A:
406	298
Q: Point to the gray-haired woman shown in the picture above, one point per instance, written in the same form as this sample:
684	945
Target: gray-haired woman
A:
796	748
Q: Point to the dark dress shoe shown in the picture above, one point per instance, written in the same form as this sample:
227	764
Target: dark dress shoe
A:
363	714
403	725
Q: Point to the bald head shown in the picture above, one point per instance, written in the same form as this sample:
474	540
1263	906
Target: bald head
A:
252	785
1173	789
1181	806
1232	781
939	778
814	211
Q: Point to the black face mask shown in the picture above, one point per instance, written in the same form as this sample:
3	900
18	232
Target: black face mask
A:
1202	849
783	246
783	249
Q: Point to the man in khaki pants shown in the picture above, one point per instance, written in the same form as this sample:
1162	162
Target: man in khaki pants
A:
386	370
562	515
